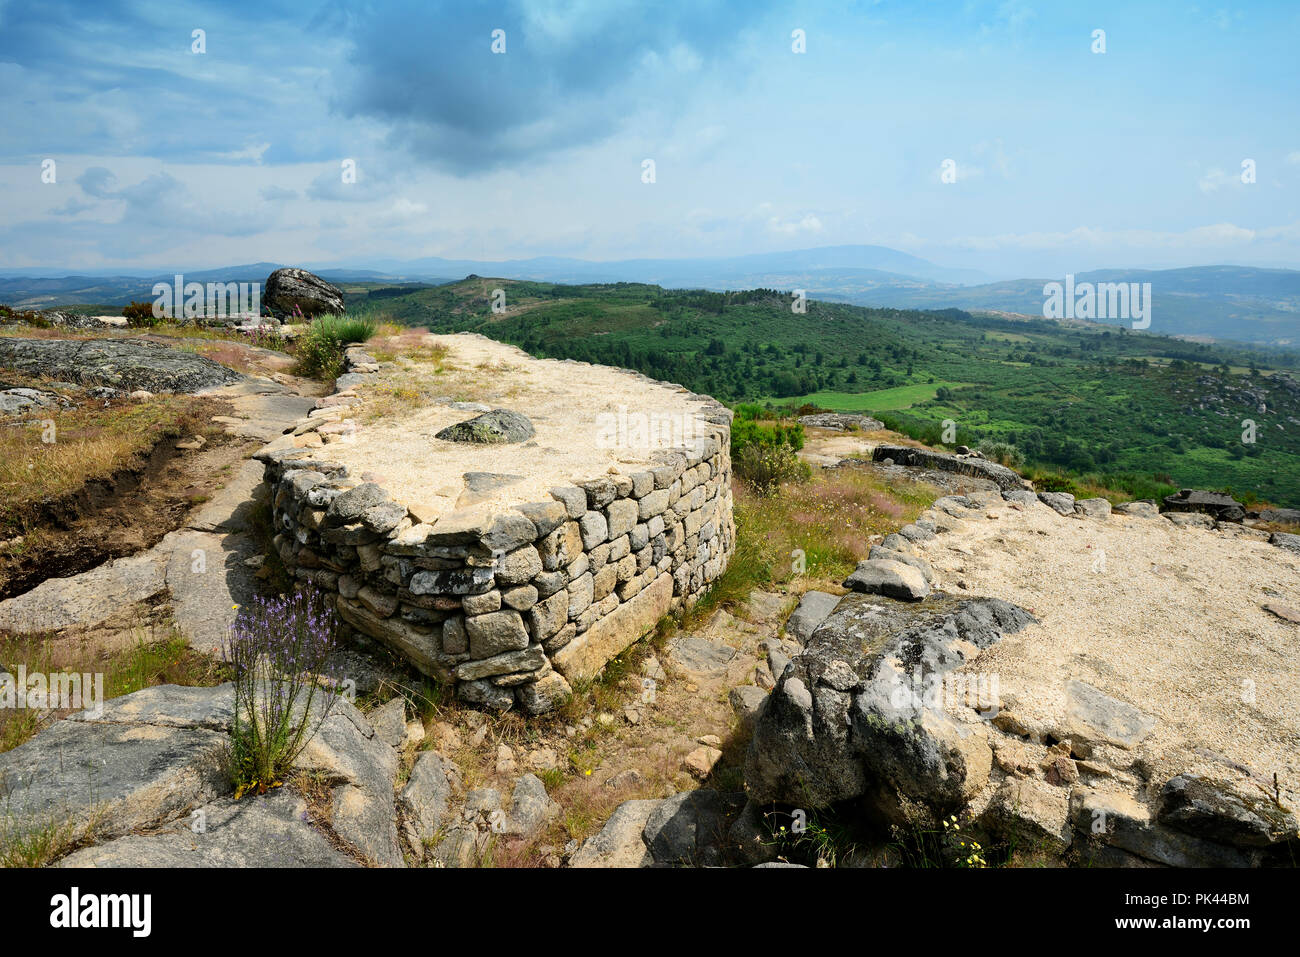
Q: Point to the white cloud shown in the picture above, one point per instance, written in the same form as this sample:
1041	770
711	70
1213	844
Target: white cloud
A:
1215	179
794	227
253	151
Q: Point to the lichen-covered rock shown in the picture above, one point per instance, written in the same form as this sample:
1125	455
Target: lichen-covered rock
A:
691	828
814	608
1000	475
1059	502
621	842
1218	811
1093	507
499	425
425	798
20	401
125	364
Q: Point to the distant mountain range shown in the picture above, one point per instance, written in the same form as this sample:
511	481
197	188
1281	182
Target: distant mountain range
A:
1236	303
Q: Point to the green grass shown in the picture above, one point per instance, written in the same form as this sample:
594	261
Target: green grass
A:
148	662
320	350
880	400
35	845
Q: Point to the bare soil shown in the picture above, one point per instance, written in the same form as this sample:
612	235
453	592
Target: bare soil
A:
125	513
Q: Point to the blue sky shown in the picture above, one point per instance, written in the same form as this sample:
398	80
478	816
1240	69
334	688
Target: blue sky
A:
1066	159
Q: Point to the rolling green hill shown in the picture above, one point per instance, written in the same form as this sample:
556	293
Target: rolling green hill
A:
1082	397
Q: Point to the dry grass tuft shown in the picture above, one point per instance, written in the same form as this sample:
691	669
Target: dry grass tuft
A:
152	660
89	442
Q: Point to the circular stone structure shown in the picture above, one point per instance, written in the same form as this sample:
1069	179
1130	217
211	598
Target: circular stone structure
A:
509	568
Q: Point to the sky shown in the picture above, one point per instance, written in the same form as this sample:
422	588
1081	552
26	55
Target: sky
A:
131	141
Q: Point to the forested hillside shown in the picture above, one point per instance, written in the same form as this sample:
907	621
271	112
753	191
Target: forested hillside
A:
1083	397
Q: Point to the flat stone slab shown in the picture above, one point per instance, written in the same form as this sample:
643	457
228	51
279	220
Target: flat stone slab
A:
170	706
207	578
814	608
701	655
270	830
114	777
265	416
230	509
85	599
1117	722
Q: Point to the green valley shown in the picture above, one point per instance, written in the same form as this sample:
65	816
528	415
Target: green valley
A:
1079	397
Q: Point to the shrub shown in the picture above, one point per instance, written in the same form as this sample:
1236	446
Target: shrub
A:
140	314
320	349
343	329
748	412
748	432
1055	482
279	651
1004	453
765	467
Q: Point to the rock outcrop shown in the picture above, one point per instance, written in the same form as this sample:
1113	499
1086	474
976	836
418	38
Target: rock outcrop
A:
973	465
145	784
855	708
1222	508
841	421
289	288
122	364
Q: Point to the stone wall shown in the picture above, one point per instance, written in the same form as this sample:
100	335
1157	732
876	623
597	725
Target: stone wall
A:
512	604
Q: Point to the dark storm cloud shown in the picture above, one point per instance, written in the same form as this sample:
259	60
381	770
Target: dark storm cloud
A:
572	72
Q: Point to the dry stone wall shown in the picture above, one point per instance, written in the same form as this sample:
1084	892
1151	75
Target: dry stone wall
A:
516	603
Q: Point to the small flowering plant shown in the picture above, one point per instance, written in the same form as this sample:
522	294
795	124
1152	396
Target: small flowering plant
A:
279	649
967	852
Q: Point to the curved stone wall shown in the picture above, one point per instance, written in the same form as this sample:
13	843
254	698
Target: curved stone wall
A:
512	602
